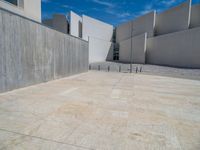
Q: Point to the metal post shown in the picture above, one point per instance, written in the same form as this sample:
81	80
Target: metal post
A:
136	69
99	68
108	68
131	63
140	69
119	68
89	67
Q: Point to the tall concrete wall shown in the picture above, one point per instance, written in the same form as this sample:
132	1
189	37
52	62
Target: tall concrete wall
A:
139	26
30	9
125	51
75	21
138	50
31	53
100	36
60	23
98	29
173	20
180	49
100	50
195	16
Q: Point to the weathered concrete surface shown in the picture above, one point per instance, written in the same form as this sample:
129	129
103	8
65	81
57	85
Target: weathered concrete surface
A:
104	111
180	49
173	20
145	23
58	22
138	50
31	53
195	16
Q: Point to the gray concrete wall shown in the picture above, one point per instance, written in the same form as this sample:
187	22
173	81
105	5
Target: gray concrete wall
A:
180	49
31	53
100	50
48	22
138	49
60	23
125	51
195	16
173	20
145	23
31	9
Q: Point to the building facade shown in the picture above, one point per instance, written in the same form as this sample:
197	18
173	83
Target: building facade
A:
28	8
170	38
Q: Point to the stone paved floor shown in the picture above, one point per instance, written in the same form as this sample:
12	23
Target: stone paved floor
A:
103	111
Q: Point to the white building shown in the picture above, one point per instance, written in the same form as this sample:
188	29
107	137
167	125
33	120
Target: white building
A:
28	8
98	33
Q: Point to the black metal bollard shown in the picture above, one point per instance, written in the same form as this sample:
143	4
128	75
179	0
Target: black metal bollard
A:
90	68
136	69
108	68
120	68
140	69
99	68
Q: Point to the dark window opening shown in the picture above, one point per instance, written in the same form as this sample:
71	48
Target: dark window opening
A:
14	2
19	3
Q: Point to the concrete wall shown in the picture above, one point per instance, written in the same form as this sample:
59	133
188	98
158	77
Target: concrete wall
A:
31	9
98	29
125	51
100	50
141	25
60	23
195	16
75	21
31	53
100	37
48	22
138	49
173	20
180	49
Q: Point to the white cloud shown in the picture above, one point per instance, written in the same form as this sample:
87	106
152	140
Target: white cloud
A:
168	2
108	4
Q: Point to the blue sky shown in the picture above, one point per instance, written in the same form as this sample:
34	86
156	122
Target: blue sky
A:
111	11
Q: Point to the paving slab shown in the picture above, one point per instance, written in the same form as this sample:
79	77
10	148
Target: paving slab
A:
103	111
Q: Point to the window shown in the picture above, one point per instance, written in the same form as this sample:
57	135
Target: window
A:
14	2
19	3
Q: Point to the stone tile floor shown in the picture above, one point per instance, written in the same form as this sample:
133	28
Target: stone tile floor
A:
103	111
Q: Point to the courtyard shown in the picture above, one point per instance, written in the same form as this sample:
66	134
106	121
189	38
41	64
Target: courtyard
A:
101	110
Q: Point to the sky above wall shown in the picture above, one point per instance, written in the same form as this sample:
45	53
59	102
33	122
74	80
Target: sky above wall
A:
113	12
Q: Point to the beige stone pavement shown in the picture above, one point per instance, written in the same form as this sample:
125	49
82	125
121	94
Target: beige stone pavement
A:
103	111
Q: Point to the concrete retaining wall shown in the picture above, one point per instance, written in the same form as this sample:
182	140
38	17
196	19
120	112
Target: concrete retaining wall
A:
195	16
138	49
31	53
173	20
141	25
180	49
